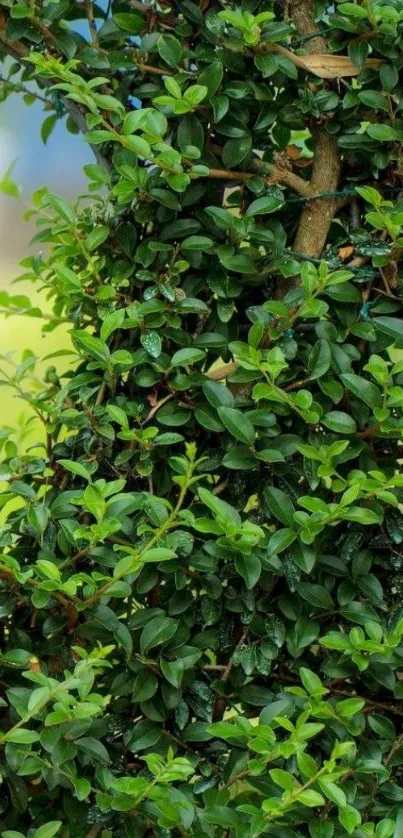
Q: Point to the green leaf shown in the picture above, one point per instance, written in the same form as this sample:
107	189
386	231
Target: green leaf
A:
7	185
236	150
111	323
135	120
307	765
21	736
353	10
197	243
373	99
221	816
158	554
311	682
383	133
349	707
249	567
67	277
152	343
76	468
47	830
361	515
239	459
173	672
391	326
385	828
190	132
221	509
96	237
195	94
363	389
218	394
82	788
340	422
186	357
265	205
138	145
93	346
145	686
237	424
170	50
311	798
319	359
321	829
389	77
129	22
99	137
94	748
350	818
333	792
212	76
282	778
157	631
279	505
20	10
281	540
358	52
267	63
345	293
316	595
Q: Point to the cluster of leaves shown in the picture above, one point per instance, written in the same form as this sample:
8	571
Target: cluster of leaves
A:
200	579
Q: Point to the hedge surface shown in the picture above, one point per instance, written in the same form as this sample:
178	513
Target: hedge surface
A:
200	581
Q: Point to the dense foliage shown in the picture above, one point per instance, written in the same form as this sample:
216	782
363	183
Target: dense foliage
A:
200	582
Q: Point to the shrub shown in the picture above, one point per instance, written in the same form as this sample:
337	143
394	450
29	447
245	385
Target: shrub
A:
201	567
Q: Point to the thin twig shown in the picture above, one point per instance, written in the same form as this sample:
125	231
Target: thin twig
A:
157	407
91	22
395	747
21	88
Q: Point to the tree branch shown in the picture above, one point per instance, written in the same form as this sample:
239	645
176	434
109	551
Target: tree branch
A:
316	217
301	13
285	176
279	172
91	22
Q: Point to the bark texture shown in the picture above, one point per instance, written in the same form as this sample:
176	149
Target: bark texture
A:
317	215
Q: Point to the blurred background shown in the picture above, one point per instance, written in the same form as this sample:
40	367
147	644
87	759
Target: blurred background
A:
58	165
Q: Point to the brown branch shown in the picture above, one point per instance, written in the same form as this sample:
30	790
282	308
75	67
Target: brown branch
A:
220	488
21	88
45	32
370	432
278	172
91	22
295	385
301	13
156	71
288	178
395	747
316	217
101	394
157	407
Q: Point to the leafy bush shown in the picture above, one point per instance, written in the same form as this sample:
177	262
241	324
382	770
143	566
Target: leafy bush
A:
201	593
